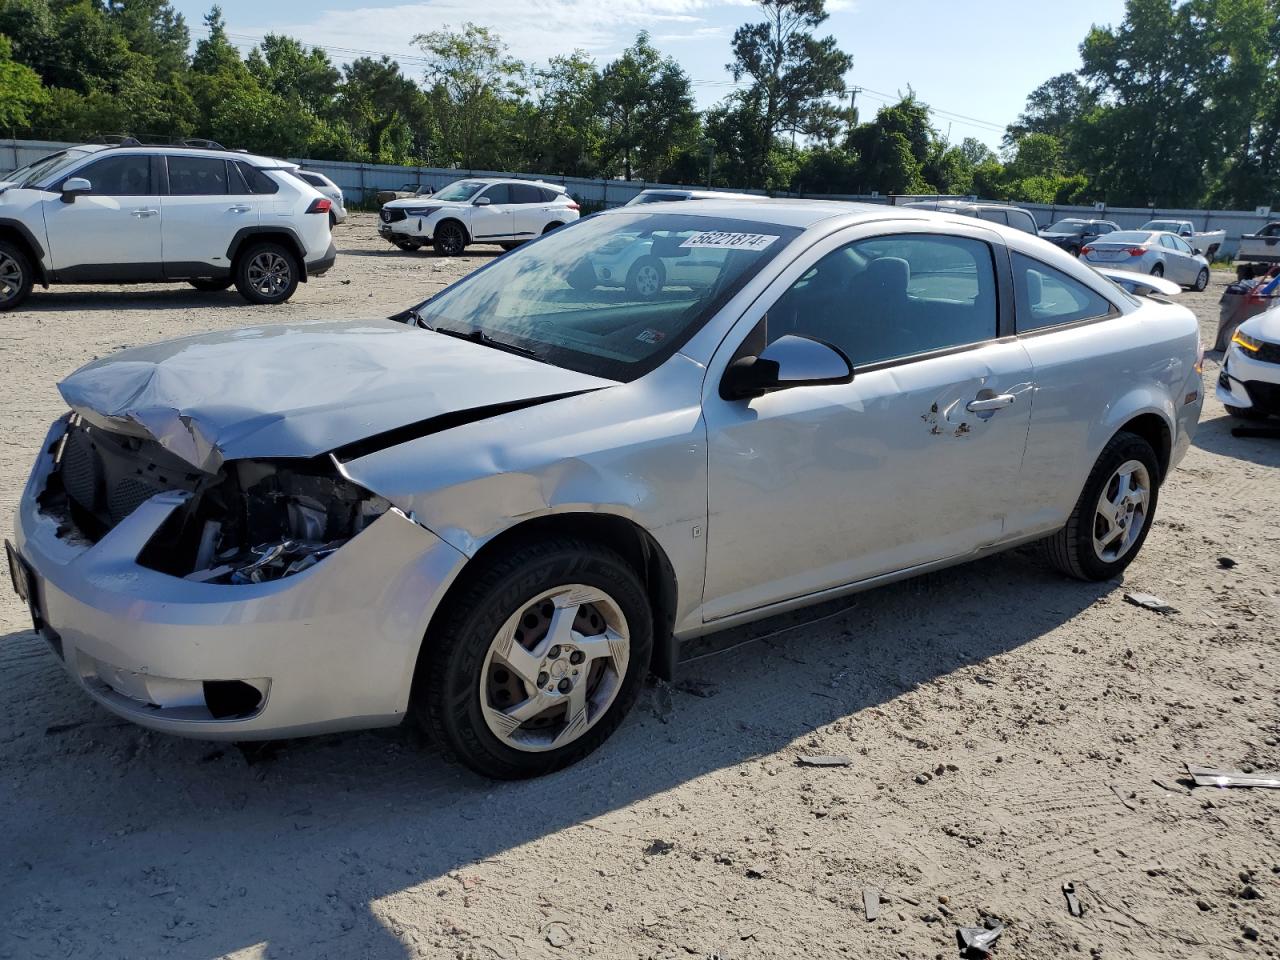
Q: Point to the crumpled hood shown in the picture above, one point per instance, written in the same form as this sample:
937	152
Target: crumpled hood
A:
302	389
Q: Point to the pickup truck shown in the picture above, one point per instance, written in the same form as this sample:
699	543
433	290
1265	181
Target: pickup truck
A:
1260	248
1206	243
403	193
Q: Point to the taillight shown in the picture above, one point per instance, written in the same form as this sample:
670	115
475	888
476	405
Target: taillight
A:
1136	251
1085	251
320	205
573	205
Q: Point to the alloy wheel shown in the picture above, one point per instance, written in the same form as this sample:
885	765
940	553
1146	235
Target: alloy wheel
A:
1202	279
269	274
647	281
554	668
11	278
450	240
1122	511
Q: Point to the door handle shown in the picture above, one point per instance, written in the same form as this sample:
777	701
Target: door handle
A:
142	212
238	209
990	403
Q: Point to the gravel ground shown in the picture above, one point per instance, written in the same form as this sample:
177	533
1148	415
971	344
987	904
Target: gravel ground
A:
1009	731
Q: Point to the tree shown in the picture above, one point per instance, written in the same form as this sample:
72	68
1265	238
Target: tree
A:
283	66
475	86
385	110
792	72
20	89
561	127
1055	107
893	148
646	103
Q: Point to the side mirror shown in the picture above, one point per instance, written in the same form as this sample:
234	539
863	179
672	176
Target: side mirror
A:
483	201
74	187
789	361
1197	251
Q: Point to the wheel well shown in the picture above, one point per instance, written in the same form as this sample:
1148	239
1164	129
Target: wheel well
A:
465	232
629	539
287	240
10	235
1152	428
552	225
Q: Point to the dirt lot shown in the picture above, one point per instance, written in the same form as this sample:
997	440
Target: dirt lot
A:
1010	731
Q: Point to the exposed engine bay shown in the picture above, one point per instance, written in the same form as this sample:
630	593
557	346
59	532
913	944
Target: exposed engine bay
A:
252	521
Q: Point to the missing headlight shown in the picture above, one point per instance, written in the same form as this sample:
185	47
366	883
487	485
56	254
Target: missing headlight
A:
265	520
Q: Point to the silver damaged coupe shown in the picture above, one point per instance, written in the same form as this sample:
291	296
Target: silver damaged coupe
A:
495	512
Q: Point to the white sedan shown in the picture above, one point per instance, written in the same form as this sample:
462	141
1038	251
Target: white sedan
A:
1151	252
498	515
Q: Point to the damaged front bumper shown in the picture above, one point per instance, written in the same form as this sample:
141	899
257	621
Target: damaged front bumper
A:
331	646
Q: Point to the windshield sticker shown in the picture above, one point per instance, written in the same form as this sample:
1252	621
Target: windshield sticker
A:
720	240
651	336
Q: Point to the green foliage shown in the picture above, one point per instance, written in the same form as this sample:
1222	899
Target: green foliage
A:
20	90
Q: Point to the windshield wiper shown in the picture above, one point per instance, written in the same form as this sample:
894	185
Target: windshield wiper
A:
476	335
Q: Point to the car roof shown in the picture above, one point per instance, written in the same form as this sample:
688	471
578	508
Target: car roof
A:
180	151
787	213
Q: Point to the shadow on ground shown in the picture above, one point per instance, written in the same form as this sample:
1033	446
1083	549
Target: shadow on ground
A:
342	821
1215	436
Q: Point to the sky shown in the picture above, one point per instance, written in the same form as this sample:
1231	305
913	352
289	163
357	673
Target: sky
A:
974	62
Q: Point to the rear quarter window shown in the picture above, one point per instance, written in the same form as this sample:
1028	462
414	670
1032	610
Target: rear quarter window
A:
1046	297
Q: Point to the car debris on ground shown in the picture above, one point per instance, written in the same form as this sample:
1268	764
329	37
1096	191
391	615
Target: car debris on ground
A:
1073	902
978	942
1149	601
1210	777
823	760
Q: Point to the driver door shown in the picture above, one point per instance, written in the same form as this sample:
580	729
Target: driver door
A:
495	220
816	487
113	232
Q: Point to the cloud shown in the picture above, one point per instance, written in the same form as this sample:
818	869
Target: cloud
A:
533	29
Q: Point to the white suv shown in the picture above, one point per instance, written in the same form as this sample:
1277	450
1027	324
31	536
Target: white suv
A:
327	188
506	212
138	214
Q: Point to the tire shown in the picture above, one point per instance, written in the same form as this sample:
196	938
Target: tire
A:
333	220
551	226
211	286
1158	270
1074	251
462	682
16	276
508	246
1245	413
1072	549
450	239
1202	279
407	245
646	278
1211	253
267	273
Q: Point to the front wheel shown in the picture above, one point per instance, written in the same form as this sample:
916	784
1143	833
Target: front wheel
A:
1111	519
267	273
16	276
1202	279
537	660
450	240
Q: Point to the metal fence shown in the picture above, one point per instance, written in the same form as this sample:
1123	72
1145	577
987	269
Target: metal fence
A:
359	183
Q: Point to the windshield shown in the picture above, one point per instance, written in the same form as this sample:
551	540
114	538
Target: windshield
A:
1171	226
45	167
1126	236
460	190
1066	226
647	197
612	296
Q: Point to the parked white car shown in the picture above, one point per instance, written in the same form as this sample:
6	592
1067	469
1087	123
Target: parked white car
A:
135	214
327	188
1249	383
1207	242
499	514
993	212
677	195
1157	254
482	210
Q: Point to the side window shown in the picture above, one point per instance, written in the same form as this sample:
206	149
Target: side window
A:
197	176
1168	243
498	193
524	193
312	179
257	181
889	297
1022	221
548	196
995	216
126	176
1046	297
1181	245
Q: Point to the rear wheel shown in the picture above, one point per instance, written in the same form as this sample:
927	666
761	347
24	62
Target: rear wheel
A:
508	246
1158	270
1202	279
16	276
210	285
537	660
450	239
267	273
1111	519
551	226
